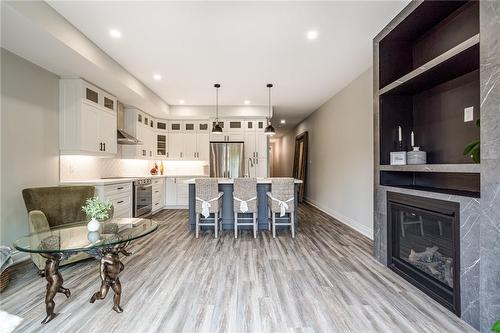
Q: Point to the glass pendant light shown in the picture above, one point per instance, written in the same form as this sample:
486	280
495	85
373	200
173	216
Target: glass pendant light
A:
217	129
269	129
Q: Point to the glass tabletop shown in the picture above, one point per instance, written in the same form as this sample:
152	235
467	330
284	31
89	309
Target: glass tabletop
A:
74	237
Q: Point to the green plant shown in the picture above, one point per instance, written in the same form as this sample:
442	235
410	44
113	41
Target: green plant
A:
473	149
496	327
97	209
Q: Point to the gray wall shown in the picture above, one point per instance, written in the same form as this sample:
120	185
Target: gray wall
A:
29	138
340	166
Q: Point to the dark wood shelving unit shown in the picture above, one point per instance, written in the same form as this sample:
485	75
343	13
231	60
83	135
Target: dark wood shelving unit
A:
428	71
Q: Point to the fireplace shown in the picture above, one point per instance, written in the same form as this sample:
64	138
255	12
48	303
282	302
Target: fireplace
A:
423	239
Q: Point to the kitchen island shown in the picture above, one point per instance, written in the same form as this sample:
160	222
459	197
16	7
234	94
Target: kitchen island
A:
226	186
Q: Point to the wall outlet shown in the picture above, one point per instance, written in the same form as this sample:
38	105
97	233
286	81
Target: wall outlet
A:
468	114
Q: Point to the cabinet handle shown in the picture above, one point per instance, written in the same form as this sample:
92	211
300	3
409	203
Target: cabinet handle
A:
194	155
119	202
181	155
104	144
119	188
157	191
257	154
100	146
167	154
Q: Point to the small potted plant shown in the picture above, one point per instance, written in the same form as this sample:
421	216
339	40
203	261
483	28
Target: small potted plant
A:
496	327
96	210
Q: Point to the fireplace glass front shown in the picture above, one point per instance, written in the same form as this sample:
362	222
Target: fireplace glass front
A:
423	243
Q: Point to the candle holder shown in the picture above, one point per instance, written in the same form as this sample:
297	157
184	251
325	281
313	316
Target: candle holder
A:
416	156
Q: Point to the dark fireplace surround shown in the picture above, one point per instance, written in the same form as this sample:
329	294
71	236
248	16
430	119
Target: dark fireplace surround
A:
423	245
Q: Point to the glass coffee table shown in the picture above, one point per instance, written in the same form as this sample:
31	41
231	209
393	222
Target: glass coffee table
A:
106	244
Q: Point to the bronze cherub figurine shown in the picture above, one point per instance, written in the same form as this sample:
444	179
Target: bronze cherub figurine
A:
111	266
54	284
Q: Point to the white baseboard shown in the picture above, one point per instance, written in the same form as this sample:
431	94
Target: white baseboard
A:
176	207
359	227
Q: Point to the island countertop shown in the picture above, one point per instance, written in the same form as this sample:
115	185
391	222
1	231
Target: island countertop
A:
231	181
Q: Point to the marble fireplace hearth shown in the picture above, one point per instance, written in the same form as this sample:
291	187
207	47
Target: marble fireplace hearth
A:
469	244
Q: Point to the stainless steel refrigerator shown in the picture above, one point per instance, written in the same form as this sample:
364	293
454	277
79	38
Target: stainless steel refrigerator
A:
227	159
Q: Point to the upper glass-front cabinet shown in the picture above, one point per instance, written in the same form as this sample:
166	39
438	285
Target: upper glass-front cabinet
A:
175	126
161	125
92	95
189	126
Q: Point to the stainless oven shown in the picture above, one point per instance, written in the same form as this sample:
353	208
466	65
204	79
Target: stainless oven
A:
143	197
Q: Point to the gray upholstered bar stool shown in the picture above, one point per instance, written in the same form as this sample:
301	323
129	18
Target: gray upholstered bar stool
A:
245	201
208	201
281	200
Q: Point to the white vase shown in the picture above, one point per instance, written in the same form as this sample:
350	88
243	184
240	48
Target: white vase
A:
93	225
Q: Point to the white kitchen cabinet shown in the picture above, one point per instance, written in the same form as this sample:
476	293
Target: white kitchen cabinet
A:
170	192
89	128
203	126
158	194
161	144
256	149
190	141
87	119
256	125
120	195
250	147
176	193
107	131
142	126
175	145
189	146
228	137
203	146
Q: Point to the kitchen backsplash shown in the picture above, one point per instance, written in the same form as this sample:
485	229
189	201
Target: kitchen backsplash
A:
79	167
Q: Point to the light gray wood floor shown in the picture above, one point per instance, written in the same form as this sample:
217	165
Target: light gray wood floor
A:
324	280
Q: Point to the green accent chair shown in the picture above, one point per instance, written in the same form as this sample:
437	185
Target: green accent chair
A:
50	207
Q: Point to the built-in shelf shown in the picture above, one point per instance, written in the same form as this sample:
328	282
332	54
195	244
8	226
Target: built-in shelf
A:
459	60
454	183
469	194
454	168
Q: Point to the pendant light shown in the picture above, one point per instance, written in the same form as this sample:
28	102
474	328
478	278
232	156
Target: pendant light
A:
217	129
269	129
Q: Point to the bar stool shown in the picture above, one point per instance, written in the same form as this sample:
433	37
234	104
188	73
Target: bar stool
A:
245	201
281	200
208	201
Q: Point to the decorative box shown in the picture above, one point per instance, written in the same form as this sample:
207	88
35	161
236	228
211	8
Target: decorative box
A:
398	157
416	156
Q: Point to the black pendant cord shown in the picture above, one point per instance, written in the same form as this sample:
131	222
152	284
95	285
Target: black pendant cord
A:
269	86
217	86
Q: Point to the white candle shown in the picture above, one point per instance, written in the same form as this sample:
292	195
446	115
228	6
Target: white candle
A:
412	139
400	138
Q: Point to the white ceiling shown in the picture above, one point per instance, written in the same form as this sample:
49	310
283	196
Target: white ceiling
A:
242	45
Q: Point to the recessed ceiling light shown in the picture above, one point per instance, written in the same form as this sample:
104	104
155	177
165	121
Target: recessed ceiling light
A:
312	34
181	101
283	121
115	33
157	77
247	102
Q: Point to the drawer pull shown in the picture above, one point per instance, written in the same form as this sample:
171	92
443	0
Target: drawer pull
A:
157	191
156	204
119	202
120	188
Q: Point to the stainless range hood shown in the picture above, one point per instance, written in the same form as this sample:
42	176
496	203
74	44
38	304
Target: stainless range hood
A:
126	139
123	137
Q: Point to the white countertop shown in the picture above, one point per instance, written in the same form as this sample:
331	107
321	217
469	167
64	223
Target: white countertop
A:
231	181
106	181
